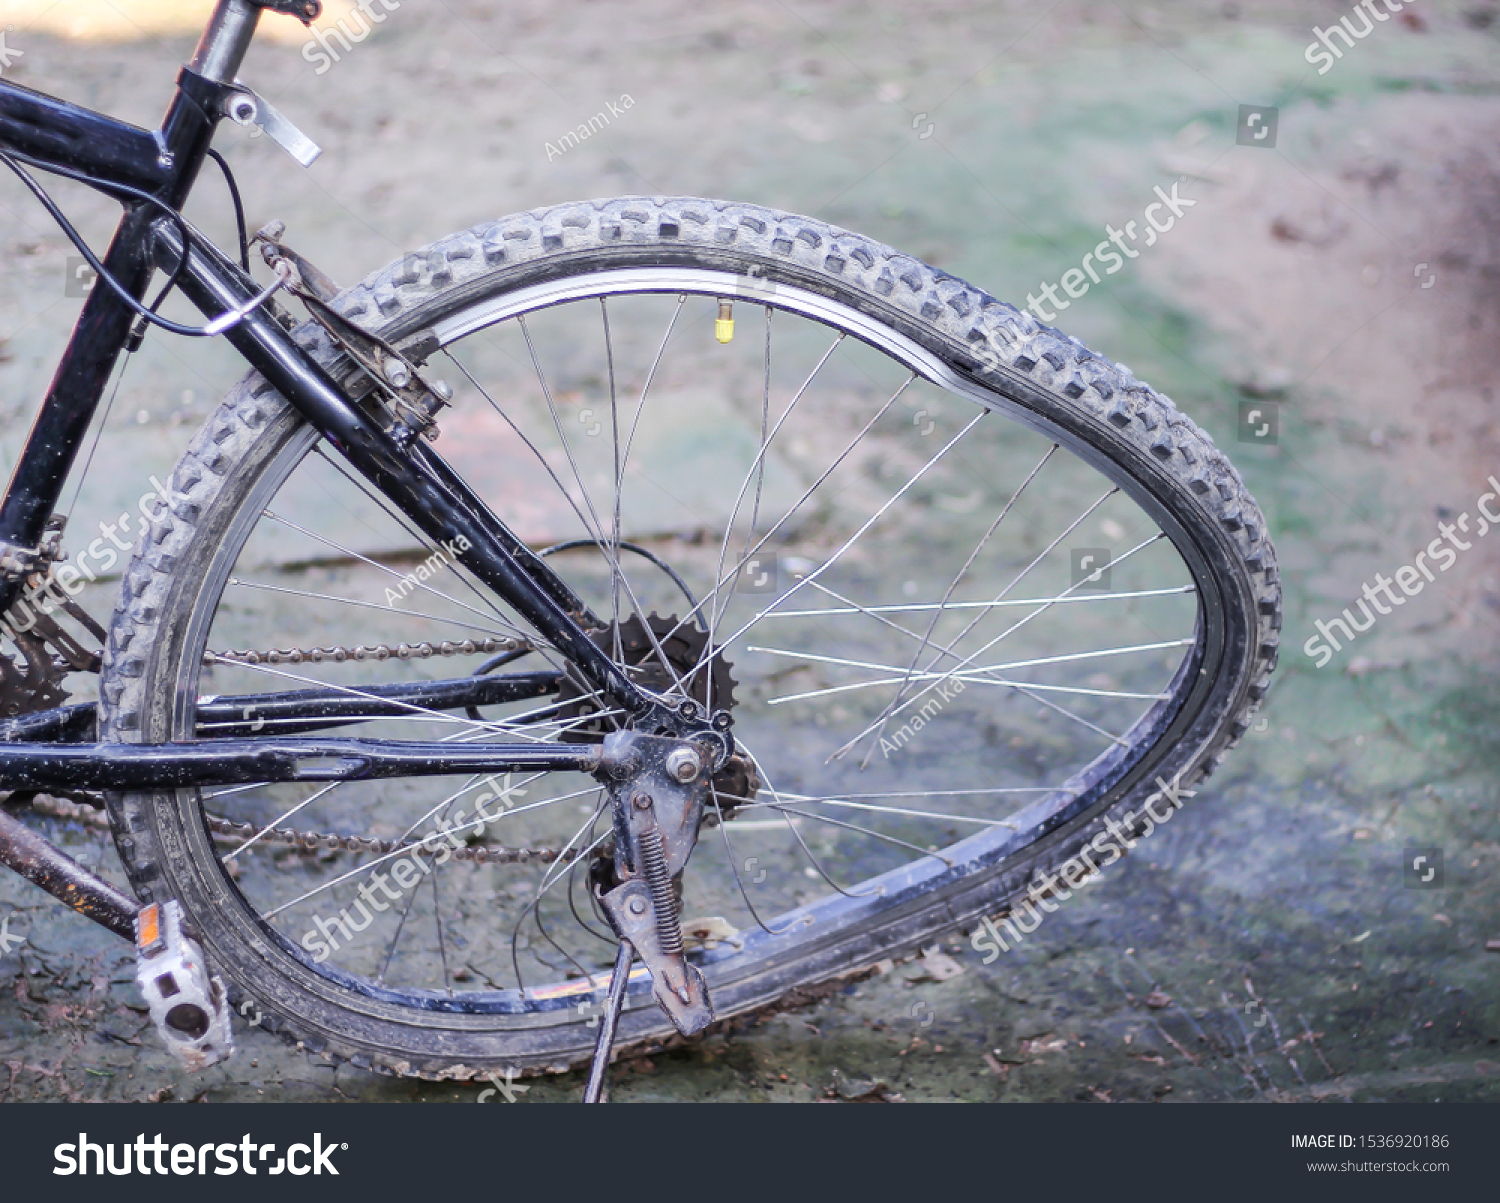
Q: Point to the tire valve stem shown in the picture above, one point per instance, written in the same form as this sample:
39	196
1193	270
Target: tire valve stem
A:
654	868
724	327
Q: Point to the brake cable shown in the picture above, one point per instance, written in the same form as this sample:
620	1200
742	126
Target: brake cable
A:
218	325
239	207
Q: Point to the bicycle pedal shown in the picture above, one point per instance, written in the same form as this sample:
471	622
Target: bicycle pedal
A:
189	1007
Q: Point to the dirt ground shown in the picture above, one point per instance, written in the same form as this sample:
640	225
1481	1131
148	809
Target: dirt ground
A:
1345	279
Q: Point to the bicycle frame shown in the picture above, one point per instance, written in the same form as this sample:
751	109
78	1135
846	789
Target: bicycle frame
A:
52	134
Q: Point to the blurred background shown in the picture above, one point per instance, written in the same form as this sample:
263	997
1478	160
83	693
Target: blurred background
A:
1326	308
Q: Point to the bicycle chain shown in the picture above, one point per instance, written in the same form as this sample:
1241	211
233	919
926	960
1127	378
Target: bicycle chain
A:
313	841
378	651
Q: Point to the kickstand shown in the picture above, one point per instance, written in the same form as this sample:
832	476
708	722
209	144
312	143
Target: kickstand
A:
606	1041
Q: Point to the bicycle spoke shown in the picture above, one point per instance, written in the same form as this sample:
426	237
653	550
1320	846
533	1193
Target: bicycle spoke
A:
593	530
276	822
876	613
354	555
611	553
797	835
1068	714
237	789
962	572
868	426
734	867
437	916
385	967
973	675
349	601
534	909
892	711
765	438
407	525
894	707
888	810
614	526
852	607
970	679
403	849
756	475
854	827
868	523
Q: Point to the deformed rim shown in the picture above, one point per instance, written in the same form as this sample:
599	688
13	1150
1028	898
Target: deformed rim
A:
1091	790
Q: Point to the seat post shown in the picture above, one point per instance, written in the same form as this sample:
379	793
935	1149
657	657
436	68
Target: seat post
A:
222	48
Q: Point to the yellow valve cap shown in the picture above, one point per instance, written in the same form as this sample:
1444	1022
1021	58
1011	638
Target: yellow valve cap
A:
724	329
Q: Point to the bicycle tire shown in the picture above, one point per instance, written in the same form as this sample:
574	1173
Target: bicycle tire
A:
1036	372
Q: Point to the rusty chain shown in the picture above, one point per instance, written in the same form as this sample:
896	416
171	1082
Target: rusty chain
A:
378	651
313	841
310	841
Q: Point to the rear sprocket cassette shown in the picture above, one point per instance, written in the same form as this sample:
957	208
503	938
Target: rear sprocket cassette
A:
710	685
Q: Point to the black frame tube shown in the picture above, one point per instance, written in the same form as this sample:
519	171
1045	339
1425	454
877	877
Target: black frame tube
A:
50	767
56	135
62	421
47	130
50	134
300	711
413	477
48	867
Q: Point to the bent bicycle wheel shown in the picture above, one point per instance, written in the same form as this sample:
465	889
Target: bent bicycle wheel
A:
967	589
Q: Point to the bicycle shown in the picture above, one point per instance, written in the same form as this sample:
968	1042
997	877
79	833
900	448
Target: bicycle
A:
825	520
